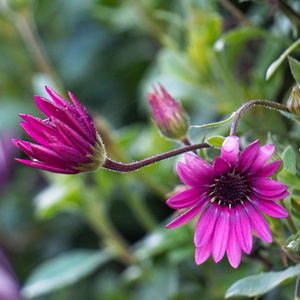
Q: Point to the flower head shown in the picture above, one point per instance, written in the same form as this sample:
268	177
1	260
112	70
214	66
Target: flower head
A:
230	194
67	141
170	117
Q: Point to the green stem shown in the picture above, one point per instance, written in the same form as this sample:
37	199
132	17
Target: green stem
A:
97	216
235	12
26	26
141	211
239	113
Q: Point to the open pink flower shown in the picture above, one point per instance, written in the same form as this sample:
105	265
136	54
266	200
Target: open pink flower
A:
67	140
230	194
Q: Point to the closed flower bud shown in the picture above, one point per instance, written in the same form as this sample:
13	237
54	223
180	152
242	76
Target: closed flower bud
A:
293	103
169	116
67	141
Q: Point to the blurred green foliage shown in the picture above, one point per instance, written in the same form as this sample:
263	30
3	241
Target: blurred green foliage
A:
102	235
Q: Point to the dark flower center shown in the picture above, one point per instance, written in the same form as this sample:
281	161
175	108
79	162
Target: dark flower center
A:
230	189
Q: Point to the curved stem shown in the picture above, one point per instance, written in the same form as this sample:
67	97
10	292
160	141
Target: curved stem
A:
244	107
124	168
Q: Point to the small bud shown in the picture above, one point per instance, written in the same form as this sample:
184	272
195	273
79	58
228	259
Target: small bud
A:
170	117
293	103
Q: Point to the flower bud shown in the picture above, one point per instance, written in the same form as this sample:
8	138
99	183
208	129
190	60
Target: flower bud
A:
170	117
67	141
293	103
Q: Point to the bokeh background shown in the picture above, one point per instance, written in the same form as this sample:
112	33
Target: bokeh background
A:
102	235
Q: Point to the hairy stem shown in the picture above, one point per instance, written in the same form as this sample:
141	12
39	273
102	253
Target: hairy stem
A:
243	108
124	168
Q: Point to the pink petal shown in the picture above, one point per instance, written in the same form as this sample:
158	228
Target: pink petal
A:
230	150
206	225
267	187
189	175
221	234
272	198
203	169
266	171
88	121
185	217
58	99
269	207
187	198
243	229
233	250
221	166
69	153
45	167
264	154
258	223
74	139
247	157
202	253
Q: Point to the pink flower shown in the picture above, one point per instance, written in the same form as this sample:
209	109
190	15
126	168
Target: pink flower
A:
67	141
229	194
170	117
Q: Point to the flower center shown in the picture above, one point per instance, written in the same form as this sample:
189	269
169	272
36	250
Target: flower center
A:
230	189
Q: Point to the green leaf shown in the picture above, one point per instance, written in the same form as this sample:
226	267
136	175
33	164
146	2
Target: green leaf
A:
289	179
260	284
62	271
275	65
295	68
289	159
216	141
292	243
215	124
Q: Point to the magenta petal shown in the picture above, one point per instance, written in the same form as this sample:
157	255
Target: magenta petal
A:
45	167
234	252
185	217
187	198
202	253
221	234
269	207
206	225
247	157
69	153
86	118
230	150
221	166
243	229
73	138
272	198
258	223
58	99
188	175
203	170
266	171
267	187
264	154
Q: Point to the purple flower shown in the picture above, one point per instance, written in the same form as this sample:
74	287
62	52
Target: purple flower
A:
170	117
229	194
7	154
9	287
67	140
